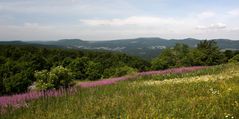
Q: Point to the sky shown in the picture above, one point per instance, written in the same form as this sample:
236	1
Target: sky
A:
94	20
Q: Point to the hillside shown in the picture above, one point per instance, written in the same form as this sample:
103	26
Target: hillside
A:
206	93
146	48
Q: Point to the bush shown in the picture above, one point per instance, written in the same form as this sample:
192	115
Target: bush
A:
55	78
43	81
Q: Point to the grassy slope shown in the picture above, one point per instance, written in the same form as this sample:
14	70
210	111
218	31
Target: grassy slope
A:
212	93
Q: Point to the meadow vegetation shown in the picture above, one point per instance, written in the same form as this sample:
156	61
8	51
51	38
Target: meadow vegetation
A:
206	93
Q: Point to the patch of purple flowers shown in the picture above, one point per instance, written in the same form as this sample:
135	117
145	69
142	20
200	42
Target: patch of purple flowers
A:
172	71
102	82
20	100
167	71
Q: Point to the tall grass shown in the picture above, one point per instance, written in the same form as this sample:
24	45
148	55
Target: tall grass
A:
217	98
203	71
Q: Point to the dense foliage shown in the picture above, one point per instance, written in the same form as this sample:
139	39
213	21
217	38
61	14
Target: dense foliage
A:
19	63
55	78
206	53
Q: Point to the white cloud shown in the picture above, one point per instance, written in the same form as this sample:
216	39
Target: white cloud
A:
66	7
206	14
117	28
212	26
133	20
107	19
32	25
234	12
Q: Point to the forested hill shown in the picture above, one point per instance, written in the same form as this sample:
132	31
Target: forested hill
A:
146	48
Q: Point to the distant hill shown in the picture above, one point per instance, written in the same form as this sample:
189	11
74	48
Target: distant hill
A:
146	48
22	43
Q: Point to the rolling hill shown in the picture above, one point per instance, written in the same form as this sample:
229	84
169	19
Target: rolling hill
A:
146	48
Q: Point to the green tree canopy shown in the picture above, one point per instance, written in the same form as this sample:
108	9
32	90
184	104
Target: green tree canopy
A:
172	57
55	78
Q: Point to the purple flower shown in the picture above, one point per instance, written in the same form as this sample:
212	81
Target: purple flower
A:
20	100
114	80
172	71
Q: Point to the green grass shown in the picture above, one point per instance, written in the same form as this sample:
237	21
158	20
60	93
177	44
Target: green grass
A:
210	70
217	97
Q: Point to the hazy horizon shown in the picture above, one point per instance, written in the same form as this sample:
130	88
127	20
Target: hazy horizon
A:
115	39
90	20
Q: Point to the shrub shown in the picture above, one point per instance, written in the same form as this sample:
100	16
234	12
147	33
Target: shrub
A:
43	81
55	78
60	76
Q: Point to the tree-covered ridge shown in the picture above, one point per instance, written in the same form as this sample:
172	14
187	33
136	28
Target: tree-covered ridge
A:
19	63
146	48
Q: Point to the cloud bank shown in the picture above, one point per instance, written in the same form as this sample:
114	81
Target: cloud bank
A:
107	20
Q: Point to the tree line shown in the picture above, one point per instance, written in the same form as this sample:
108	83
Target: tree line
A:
207	53
21	66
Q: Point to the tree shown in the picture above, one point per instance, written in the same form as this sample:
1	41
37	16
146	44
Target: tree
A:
172	57
78	66
228	54
210	53
180	52
67	61
17	83
164	60
2	60
196	57
93	71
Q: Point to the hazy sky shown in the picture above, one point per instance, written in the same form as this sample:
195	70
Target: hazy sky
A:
118	19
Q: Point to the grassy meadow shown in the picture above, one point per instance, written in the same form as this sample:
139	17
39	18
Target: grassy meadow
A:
207	93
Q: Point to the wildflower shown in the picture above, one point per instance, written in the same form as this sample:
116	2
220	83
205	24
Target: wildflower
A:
229	116
214	91
20	100
167	71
